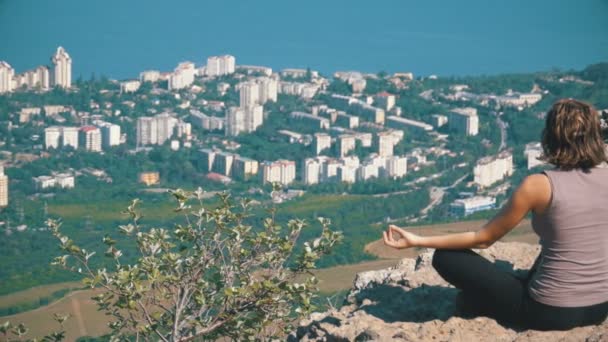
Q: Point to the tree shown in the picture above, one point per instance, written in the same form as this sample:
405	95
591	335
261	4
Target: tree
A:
214	275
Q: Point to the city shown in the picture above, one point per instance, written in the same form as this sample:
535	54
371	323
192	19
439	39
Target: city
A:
363	149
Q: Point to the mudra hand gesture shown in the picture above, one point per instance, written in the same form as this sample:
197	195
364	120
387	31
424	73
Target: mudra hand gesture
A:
398	238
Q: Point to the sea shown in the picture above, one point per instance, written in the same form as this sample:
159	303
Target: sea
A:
120	38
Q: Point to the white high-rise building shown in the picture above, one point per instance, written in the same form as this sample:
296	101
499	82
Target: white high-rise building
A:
345	143
182	76
130	86
347	173
280	171
396	167
532	152
244	168
62	70
245	120
7	73
220	65
52	137
235	121
90	138
69	137
464	121
110	134
249	93
166	127
268	89
490	170
35	79
385	144
3	188
321	142
149	76
147	131
311	172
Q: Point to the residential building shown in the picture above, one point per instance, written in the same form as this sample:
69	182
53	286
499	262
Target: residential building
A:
223	163
207	159
130	86
366	139
312	120
7	73
220	65
347	173
62	69
254	69
243	120
244	168
52	137
38	78
344	144
166	124
412	126
3	188
53	110
249	94
345	120
110	134
467	206
303	90
358	107
321	142
268	89
521	100
492	169
532	152
43	182
25	114
182	76
64	180
385	143
280	171
149	178
396	167
367	171
207	122
312	171
385	100
149	76
147	131
69	137
90	138
464	121
439	120
299	73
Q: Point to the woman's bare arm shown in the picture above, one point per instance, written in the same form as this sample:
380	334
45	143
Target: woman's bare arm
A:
534	194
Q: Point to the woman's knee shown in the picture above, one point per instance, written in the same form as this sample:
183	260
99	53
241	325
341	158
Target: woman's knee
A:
440	256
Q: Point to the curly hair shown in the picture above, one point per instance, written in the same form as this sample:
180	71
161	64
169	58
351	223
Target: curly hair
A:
572	138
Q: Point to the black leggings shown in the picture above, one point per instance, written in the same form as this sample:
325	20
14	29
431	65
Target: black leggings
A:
501	295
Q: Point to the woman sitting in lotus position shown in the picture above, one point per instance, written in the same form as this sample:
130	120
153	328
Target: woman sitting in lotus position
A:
568	285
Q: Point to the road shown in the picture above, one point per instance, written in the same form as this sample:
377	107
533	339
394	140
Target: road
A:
503	131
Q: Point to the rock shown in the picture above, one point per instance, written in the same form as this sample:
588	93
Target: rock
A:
411	302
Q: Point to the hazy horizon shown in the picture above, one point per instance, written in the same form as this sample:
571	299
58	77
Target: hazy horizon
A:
120	39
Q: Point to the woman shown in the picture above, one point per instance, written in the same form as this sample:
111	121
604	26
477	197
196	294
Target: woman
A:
568	285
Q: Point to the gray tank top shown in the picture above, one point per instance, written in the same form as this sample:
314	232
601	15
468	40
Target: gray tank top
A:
573	230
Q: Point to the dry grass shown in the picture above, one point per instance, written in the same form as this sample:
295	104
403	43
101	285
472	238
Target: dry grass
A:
34	293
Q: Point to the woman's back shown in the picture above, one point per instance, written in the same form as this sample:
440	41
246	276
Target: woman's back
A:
573	271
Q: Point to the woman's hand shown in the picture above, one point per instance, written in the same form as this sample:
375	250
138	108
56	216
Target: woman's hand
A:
398	238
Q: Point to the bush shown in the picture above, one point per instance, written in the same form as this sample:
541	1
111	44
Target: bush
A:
211	276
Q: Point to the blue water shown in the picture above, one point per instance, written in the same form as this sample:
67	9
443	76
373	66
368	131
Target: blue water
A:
119	38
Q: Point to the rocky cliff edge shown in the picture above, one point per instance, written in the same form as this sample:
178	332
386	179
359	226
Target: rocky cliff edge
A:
411	302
